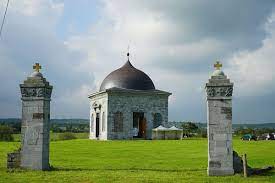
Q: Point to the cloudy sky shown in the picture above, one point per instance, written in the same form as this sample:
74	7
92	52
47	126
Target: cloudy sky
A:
175	42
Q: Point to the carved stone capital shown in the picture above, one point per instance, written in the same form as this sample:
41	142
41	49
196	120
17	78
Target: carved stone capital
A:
95	105
36	92
222	91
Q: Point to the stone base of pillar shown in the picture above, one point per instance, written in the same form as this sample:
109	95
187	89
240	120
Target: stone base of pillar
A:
30	165
220	172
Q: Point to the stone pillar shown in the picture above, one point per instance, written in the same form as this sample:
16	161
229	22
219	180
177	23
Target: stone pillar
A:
35	129
219	123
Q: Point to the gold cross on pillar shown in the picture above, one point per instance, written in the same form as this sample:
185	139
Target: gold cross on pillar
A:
37	67
218	65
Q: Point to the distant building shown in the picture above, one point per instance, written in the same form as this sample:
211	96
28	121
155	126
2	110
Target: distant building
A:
127	106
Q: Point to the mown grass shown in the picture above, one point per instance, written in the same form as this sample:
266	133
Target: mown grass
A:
55	136
84	160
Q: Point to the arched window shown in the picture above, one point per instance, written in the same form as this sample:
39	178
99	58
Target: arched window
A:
103	122
157	120
118	122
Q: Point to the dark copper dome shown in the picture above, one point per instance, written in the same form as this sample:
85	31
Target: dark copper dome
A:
127	77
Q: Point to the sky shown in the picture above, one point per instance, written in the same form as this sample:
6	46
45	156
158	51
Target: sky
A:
176	42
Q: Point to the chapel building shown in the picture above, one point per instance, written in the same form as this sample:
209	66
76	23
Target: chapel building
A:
127	106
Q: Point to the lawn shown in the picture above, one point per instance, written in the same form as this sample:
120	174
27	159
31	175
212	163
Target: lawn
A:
84	160
55	136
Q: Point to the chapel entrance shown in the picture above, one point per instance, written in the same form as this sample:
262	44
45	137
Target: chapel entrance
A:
97	126
139	125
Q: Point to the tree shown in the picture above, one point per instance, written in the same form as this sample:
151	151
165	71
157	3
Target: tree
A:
6	133
67	136
242	131
188	128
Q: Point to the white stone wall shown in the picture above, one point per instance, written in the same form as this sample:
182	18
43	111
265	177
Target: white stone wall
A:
102	100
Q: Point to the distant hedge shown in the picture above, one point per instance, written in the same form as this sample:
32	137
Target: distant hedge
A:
6	133
66	136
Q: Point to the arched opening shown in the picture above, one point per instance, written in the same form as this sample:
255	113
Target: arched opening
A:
97	125
139	125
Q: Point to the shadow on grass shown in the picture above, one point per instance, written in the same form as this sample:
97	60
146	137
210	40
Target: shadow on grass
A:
268	174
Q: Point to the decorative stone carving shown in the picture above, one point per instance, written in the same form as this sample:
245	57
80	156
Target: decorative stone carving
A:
40	92
219	91
28	92
48	92
36	92
96	105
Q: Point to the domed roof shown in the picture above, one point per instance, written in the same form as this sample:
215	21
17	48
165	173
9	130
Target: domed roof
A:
36	74
127	77
218	73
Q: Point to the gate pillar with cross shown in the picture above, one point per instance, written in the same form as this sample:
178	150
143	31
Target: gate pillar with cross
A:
219	123
35	127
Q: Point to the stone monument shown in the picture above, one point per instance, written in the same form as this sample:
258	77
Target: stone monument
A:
36	97
219	123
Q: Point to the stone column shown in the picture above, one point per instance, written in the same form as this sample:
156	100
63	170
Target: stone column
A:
36	97
91	135
219	123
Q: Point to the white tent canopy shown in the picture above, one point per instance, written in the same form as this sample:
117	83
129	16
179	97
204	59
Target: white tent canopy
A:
162	133
175	128
160	128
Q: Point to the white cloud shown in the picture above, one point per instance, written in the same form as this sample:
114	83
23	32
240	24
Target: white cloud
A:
74	103
174	42
30	36
253	71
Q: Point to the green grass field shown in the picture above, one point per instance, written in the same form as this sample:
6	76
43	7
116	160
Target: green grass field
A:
54	136
84	160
